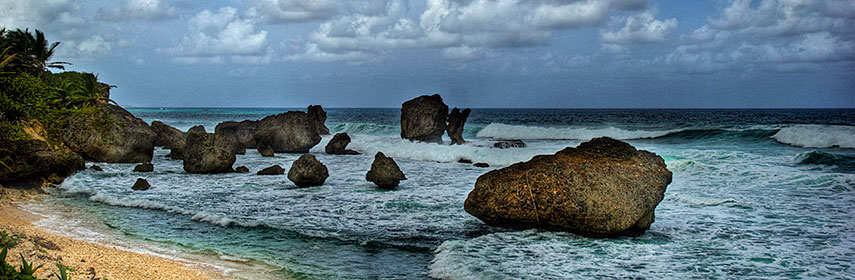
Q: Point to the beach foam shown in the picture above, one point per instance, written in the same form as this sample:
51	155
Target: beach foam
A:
817	136
506	131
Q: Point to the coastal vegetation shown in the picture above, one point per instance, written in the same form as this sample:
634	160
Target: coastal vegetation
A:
26	270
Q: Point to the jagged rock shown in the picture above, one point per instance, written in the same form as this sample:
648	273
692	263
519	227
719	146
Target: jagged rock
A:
242	169
141	185
505	144
384	172
338	145
33	161
423	119
196	129
307	171
273	170
242	133
456	121
96	168
176	153
144	167
603	187
166	136
266	151
319	117
207	153
481	164
111	134
291	132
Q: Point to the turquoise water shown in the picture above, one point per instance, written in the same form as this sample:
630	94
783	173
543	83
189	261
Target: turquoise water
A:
756	194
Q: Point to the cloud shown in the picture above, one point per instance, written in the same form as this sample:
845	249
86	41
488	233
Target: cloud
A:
222	32
91	48
640	28
139	9
51	16
285	11
770	34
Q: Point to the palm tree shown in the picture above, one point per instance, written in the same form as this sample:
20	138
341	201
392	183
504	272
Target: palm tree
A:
33	51
90	92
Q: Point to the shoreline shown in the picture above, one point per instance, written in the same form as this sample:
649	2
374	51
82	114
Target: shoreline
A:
92	258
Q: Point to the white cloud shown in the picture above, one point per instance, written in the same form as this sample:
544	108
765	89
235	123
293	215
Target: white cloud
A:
221	33
284	11
51	16
640	28
139	9
90	48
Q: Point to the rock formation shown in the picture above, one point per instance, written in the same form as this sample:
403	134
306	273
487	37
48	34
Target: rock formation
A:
207	153
242	133
307	171
319	117
505	144
338	145
481	164
144	167
242	169
197	129
384	172
166	136
96	168
273	170
603	187
423	119
111	134
32	161
266	151
141	185
456	120
291	132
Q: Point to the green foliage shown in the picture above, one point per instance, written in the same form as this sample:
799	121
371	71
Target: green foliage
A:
7	271
62	275
7	241
31	52
27	268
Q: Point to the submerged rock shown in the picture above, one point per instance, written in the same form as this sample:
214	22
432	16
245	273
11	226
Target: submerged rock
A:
266	151
141	185
384	172
207	153
423	119
144	167
111	134
242	169
307	171
338	145
464	160
273	170
505	144
96	168
456	121
481	164
603	187
291	132
319	118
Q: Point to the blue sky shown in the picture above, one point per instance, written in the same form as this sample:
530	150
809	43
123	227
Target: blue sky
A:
489	53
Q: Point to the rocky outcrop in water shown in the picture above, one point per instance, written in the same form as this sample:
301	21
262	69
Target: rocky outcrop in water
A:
338	145
96	168
242	169
166	136
33	161
242	133
273	170
456	121
481	164
291	132
141	185
423	119
319	117
266	151
603	187
111	134
505	144
144	167
307	171
197	129
208	153
384	172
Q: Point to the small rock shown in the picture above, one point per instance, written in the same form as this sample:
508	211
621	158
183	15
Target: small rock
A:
481	164
266	151
141	185
307	171
384	172
96	168
504	144
337	145
144	167
273	170
242	169
465	160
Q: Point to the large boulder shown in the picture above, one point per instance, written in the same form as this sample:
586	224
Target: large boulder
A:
603	187
167	136
242	133
291	132
384	172
423	119
110	134
319	118
307	171
35	160
338	145
456	120
208	153
197	129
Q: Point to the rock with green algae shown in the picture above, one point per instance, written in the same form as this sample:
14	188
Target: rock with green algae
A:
110	134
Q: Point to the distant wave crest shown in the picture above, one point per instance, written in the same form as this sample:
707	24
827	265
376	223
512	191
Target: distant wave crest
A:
366	128
506	131
817	136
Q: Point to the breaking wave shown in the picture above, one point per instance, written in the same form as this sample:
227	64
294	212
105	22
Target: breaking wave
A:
817	136
506	131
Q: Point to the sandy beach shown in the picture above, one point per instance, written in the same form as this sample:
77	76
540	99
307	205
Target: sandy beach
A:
89	260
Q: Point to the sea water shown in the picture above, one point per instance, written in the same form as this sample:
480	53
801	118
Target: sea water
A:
755	194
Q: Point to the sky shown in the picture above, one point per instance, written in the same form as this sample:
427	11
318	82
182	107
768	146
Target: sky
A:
475	53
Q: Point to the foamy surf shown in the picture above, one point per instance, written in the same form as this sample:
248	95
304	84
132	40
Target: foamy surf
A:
506	131
817	136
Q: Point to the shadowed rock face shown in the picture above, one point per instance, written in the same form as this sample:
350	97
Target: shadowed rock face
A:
603	187
423	119
291	132
166	136
207	153
197	129
385	172
319	117
307	171
338	145
141	185
144	167
241	133
456	120
34	160
111	134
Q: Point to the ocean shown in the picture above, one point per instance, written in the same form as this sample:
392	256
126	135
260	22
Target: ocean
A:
755	194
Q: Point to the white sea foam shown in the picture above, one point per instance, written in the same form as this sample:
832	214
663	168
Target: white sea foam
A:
817	136
506	131
475	151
